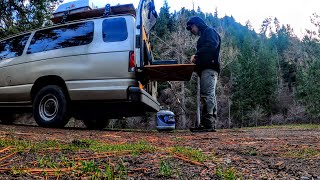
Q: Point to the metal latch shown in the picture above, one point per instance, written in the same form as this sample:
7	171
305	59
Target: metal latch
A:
107	10
65	15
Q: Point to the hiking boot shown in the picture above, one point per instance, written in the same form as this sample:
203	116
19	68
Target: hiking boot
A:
207	120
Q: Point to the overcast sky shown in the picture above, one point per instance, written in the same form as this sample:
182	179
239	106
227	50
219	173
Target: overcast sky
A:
294	12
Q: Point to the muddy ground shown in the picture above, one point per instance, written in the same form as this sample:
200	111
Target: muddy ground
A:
280	152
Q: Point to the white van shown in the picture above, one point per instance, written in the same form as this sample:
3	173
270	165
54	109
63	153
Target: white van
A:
90	69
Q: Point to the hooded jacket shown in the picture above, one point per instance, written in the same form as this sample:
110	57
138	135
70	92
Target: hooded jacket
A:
208	46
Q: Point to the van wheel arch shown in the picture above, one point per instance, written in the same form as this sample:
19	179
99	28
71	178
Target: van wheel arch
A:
46	81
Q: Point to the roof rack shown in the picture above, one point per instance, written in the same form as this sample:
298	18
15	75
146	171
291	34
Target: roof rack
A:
85	13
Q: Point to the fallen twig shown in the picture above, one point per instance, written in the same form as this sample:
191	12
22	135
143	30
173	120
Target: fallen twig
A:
108	135
93	157
2	165
140	169
5	149
5	169
204	172
21	133
187	160
48	170
1	159
102	155
115	152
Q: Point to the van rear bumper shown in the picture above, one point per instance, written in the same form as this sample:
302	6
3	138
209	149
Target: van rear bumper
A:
136	94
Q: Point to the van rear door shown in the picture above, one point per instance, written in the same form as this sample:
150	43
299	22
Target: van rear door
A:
146	19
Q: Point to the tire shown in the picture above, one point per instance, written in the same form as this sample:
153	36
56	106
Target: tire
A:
7	119
95	124
50	107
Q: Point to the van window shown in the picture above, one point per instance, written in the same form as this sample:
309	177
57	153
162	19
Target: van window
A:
13	47
114	30
62	37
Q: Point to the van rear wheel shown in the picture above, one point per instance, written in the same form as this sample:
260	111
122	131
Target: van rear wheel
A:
50	107
96	124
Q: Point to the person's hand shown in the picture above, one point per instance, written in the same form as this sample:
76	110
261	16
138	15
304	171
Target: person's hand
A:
193	59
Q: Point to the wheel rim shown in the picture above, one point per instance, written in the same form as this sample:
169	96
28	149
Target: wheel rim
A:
48	107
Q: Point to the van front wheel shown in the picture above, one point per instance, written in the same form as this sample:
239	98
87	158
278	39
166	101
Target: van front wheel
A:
50	107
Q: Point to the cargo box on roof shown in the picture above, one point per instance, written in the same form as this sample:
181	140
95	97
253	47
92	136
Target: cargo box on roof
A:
74	7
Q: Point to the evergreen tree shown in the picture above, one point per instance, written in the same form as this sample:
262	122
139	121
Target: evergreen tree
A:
309	84
165	22
309	88
18	16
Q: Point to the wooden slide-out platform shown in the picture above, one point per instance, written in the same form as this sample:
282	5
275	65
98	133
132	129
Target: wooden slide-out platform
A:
170	72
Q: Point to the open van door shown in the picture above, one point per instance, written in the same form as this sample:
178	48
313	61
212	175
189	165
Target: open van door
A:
146	18
151	70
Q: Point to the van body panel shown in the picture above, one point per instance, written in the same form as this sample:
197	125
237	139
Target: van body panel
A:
19	93
98	60
113	89
96	71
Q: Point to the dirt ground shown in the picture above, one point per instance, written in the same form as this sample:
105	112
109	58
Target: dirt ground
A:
280	152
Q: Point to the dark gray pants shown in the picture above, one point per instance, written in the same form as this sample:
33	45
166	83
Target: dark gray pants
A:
208	82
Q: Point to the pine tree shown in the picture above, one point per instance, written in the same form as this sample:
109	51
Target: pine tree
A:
308	83
19	16
165	22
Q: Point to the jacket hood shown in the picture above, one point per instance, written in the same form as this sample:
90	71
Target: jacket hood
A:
198	22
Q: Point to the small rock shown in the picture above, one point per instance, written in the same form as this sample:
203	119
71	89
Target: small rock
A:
210	165
280	165
227	160
305	178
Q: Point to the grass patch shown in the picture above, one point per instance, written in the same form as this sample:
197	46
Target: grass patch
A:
303	153
90	168
179	139
109	172
251	151
165	168
227	174
77	168
22	145
96	146
193	154
122	172
290	126
17	171
47	161
136	148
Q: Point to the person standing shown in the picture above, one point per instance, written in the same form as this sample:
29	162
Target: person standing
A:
208	68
